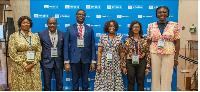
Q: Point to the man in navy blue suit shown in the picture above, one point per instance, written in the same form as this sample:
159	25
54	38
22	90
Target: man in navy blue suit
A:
80	39
52	54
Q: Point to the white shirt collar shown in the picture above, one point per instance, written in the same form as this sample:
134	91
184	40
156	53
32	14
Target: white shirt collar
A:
54	33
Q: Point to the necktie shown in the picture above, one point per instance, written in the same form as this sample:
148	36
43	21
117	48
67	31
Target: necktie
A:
80	31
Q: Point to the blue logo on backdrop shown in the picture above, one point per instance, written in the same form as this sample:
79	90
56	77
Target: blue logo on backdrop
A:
72	6
93	6
114	6
98	12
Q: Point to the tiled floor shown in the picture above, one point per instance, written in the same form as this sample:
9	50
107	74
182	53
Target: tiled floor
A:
180	79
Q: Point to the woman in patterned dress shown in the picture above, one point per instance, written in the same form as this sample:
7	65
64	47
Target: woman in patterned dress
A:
164	53
136	46
25	70
108	76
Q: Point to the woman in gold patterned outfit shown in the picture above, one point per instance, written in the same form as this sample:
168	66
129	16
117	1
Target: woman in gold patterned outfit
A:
25	50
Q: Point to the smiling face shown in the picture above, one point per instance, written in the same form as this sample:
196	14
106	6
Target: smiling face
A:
162	14
136	28
25	25
111	28
52	24
80	16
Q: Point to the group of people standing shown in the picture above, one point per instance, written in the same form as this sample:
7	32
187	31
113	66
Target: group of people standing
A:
75	51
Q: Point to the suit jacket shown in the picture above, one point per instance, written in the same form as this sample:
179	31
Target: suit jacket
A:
47	61
86	53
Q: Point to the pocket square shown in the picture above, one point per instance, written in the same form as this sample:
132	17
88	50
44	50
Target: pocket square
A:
61	39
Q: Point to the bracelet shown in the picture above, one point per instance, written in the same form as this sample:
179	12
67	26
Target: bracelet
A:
98	63
176	59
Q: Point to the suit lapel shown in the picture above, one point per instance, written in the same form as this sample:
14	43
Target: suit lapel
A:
76	30
59	38
48	37
86	30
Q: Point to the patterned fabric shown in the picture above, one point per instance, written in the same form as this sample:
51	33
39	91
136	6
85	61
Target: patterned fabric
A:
18	47
129	46
171	33
110	77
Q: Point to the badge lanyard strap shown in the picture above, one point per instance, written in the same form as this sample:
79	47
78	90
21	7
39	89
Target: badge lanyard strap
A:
26	39
161	31
110	43
136	45
53	39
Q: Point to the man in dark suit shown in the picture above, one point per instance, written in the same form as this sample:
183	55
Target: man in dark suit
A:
52	54
80	39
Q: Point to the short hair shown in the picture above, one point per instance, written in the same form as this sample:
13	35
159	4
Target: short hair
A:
22	18
165	7
80	10
106	26
50	18
130	33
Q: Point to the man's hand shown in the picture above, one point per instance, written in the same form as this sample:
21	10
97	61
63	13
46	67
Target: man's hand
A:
67	67
92	67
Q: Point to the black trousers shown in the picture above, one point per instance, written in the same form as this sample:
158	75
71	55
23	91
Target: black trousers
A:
136	71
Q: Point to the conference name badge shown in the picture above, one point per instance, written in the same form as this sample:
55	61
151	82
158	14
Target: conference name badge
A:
109	56
54	52
135	59
30	56
161	43
80	42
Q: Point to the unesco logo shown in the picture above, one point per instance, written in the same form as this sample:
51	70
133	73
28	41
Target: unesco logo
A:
72	6
67	25
98	34
46	6
88	24
98	16
121	16
41	15
51	6
93	6
139	16
114	6
153	6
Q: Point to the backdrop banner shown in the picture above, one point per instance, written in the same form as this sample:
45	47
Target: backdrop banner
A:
98	12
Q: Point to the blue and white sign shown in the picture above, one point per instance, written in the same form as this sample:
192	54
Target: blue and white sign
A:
98	12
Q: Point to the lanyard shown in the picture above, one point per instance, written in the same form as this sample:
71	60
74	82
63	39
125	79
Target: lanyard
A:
111	41
53	38
161	31
136	45
26	39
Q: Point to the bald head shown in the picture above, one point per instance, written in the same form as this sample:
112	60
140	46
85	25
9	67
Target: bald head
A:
53	18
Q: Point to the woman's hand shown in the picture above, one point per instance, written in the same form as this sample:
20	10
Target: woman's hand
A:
146	71
124	71
29	67
99	68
